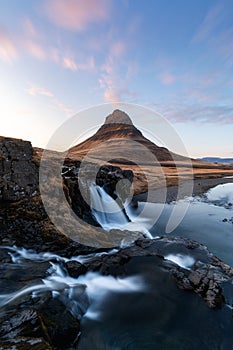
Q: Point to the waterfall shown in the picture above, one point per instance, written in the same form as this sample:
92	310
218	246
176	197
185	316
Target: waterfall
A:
110	215
106	210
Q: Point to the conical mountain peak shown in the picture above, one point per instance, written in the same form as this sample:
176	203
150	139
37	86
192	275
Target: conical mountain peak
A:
118	117
116	131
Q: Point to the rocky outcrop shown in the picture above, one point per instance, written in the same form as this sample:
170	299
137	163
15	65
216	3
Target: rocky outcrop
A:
115	181
204	277
18	173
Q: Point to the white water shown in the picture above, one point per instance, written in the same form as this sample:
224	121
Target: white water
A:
19	254
110	215
105	209
82	296
185	261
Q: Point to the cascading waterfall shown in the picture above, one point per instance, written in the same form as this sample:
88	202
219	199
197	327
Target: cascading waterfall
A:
106	210
110	215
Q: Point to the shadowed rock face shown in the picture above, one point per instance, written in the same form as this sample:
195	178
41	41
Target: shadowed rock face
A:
18	174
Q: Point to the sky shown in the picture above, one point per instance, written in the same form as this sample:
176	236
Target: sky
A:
59	57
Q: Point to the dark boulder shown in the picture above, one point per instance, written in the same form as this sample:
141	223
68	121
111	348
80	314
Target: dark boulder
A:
75	269
46	325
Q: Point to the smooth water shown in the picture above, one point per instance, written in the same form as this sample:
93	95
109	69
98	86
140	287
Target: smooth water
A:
161	317
208	220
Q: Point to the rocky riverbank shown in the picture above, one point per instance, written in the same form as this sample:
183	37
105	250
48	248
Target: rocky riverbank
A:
36	321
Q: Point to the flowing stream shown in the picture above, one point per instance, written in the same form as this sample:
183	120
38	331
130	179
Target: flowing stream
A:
145	309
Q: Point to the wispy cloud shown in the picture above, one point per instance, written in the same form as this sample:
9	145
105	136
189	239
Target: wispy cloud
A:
31	40
54	103
71	64
76	14
216	32
111	95
116	71
58	105
211	21
204	114
34	90
118	48
8	50
36	50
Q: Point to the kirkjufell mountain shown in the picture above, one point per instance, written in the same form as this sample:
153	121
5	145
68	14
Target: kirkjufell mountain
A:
117	128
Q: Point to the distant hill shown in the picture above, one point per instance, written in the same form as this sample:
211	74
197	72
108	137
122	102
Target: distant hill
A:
217	160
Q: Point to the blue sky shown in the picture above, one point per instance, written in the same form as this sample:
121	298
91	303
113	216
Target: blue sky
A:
58	57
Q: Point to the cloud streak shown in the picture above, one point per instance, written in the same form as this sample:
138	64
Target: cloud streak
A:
204	114
55	103
76	14
8	50
70	63
212	19
216	35
34	90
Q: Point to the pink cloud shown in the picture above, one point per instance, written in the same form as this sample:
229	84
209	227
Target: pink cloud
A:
118	48
76	14
8	51
167	78
69	63
111	96
29	27
37	90
36	50
58	105
31	40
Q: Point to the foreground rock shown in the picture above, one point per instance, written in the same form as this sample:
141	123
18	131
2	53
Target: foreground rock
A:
40	327
44	322
204	277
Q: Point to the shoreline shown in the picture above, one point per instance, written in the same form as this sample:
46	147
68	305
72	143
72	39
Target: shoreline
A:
200	186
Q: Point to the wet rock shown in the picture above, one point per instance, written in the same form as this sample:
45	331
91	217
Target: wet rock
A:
47	325
25	323
204	277
62	327
28	343
113	179
75	268
75	198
